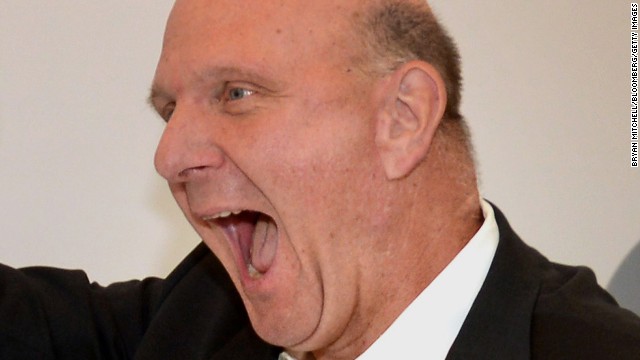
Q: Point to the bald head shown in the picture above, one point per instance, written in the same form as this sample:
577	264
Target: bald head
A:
378	35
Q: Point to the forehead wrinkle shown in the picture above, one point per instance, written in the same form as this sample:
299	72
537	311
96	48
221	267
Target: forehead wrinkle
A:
325	32
233	73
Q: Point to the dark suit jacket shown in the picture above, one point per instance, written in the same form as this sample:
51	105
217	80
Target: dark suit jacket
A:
528	308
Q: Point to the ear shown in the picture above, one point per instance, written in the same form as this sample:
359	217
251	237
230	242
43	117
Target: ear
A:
412	105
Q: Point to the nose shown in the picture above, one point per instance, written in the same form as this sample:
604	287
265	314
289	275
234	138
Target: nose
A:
187	146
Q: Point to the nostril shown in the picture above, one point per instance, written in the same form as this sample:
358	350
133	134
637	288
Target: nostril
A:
191	171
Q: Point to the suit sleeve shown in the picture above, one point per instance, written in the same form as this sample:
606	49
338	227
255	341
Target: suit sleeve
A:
48	313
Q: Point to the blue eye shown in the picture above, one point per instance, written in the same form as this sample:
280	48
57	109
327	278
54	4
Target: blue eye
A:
238	93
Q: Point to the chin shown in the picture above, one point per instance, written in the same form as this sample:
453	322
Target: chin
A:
283	327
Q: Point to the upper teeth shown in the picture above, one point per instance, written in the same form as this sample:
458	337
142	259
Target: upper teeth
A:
223	214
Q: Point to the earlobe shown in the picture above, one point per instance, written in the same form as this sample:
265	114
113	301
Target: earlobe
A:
414	102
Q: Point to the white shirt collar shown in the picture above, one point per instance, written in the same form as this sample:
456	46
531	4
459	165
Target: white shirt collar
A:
430	324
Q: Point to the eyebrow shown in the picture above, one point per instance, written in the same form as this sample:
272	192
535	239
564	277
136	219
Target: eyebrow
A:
154	93
221	73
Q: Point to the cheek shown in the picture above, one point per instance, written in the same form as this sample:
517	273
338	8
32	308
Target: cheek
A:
316	166
313	163
318	176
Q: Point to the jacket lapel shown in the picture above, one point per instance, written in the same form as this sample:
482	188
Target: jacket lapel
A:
499	323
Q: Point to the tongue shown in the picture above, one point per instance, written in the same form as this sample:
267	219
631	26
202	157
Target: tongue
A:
241	228
265	244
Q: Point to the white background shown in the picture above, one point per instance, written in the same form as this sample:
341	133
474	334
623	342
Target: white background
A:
546	95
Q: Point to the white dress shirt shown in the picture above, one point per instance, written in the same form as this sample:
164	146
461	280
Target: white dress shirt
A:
427	328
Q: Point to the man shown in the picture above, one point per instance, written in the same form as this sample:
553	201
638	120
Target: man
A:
318	150
316	170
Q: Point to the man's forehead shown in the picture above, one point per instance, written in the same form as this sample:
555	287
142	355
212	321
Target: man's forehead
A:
250	29
265	10
279	34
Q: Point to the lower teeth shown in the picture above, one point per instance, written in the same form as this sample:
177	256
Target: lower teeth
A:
253	272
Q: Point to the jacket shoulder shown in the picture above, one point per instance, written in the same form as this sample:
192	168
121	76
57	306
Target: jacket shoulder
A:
574	318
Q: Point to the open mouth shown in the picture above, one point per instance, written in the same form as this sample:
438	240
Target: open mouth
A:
253	235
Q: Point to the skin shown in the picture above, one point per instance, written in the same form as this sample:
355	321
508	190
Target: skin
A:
268	110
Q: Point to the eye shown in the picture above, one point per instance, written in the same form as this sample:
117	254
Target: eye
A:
238	97
237	93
